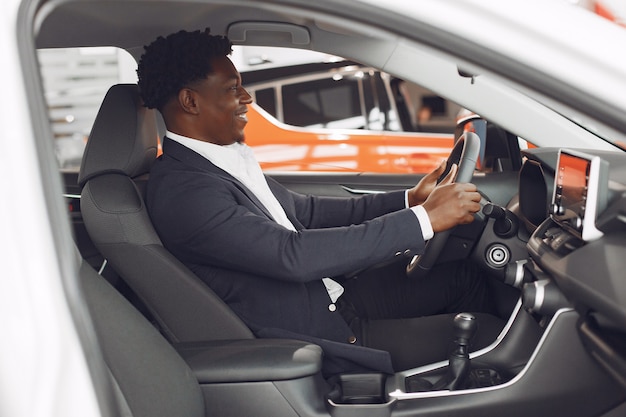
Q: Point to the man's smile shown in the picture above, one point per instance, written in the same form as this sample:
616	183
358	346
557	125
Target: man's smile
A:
242	115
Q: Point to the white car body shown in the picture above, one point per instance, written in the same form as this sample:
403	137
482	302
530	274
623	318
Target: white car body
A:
49	363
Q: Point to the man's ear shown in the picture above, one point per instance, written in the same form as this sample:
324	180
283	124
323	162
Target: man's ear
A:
188	100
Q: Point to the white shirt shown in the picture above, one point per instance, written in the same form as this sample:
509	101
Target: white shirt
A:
238	160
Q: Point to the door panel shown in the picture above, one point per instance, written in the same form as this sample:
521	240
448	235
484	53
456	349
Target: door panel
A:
498	187
340	184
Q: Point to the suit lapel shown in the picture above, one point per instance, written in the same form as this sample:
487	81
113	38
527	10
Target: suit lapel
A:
192	158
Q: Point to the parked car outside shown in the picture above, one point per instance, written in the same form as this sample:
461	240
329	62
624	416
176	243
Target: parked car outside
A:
366	109
282	147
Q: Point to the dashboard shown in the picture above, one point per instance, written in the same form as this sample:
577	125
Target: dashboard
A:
580	193
573	204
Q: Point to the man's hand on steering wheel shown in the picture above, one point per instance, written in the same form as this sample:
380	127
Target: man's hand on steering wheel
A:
418	194
452	204
448	204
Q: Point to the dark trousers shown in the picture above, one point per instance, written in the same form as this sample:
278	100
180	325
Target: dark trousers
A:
412	318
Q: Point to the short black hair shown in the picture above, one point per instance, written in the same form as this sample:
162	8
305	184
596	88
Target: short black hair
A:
171	63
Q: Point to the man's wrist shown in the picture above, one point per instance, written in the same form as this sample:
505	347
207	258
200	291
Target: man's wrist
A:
424	220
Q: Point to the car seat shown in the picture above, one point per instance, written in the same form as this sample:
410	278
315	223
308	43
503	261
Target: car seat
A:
142	375
147	376
119	154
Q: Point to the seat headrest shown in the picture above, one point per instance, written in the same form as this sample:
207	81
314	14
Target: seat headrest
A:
123	138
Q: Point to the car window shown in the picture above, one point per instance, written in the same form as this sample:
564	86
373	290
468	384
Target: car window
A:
324	103
346	95
266	98
340	95
75	82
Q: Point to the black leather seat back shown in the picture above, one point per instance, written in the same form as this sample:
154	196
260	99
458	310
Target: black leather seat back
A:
121	149
149	378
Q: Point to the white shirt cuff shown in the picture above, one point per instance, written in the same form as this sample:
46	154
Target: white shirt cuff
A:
422	217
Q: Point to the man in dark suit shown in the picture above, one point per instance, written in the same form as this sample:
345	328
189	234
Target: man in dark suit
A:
270	253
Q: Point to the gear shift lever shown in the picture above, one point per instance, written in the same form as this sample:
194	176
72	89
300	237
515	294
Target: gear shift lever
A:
465	326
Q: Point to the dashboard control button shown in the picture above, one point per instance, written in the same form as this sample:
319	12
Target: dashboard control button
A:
498	255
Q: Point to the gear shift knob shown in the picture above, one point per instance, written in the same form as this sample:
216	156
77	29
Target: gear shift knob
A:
465	326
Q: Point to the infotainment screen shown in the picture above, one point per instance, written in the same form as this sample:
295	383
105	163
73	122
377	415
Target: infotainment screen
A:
580	192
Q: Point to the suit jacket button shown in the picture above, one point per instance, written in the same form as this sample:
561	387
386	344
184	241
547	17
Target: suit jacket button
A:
332	307
407	252
398	253
352	340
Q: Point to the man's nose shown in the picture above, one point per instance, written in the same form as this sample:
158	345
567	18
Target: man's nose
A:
245	96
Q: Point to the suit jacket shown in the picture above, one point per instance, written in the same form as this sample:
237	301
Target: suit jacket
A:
268	275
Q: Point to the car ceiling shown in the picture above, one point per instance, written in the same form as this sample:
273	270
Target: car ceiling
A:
139	22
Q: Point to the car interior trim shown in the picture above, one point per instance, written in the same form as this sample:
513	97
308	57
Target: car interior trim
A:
360	190
442	364
401	395
238	32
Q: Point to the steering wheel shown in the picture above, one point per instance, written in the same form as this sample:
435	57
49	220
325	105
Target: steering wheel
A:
465	155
